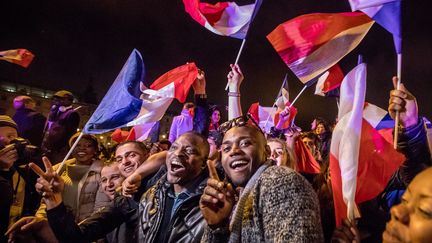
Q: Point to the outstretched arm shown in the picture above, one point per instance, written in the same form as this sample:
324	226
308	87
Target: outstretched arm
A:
235	78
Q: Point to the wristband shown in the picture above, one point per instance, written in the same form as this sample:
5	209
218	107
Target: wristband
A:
234	94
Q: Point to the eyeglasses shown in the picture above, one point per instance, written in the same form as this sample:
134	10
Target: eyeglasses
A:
239	122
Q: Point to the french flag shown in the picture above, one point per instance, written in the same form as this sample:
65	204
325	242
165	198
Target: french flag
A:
22	57
268	117
329	81
264	116
129	102
310	44
223	18
386	13
362	158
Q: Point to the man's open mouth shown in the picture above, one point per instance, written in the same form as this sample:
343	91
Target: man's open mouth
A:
238	165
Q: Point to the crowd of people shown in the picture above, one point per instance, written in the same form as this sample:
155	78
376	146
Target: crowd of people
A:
210	181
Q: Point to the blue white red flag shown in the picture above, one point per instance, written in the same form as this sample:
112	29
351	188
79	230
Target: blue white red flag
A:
386	13
312	43
223	18
362	158
129	103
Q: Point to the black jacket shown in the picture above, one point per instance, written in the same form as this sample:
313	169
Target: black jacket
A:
185	225
30	125
121	217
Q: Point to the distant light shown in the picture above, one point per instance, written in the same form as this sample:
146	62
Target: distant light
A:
101	137
163	136
78	129
108	143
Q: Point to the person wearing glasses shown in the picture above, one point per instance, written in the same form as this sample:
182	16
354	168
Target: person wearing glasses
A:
257	201
275	203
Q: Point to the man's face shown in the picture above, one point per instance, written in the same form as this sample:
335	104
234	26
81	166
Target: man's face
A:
129	156
244	150
7	134
59	101
8	154
111	179
185	159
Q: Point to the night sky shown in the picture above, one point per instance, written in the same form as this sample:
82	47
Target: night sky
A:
77	42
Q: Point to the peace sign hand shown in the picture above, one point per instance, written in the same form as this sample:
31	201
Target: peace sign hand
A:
49	184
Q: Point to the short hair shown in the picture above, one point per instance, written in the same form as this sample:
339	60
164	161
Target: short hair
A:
19	102
203	138
140	145
188	105
89	137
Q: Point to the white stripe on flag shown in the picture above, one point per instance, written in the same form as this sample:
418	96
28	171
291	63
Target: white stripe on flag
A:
330	53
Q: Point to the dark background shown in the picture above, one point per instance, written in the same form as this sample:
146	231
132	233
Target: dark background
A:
80	43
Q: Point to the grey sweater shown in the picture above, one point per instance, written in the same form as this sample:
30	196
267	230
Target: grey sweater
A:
280	207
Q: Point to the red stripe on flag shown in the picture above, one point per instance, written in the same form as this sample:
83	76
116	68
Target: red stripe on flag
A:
378	161
299	37
305	160
334	79
212	12
254	111
182	77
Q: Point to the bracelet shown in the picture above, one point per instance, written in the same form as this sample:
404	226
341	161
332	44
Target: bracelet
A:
234	94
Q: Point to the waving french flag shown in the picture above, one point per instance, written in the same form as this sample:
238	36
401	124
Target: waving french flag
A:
129	103
223	18
310	44
386	13
362	158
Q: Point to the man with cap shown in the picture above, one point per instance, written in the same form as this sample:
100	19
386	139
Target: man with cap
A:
63	120
18	197
30	122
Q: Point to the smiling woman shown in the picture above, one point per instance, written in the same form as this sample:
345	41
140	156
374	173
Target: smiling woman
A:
82	175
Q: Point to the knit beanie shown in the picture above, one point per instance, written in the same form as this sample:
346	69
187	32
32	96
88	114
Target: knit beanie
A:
6	121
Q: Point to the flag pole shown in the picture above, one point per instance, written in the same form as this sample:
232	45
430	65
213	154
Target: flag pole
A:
295	99
279	94
399	76
237	58
69	153
289	107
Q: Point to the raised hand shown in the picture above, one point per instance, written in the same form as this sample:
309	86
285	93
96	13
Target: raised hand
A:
49	184
403	101
8	156
217	200
283	117
235	78
199	85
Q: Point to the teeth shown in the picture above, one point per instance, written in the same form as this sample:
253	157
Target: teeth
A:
238	162
81	154
175	162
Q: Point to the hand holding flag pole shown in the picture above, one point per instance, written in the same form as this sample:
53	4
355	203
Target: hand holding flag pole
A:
277	97
237	58
397	118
